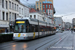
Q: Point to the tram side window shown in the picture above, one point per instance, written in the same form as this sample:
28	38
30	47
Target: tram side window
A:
36	28
27	26
42	29
50	28
45	28
32	28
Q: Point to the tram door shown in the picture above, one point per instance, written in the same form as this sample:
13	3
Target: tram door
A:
33	27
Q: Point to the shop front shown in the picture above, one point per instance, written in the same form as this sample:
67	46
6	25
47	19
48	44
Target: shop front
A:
3	26
2	30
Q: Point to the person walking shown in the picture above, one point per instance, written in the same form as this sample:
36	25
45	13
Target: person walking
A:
72	30
6	30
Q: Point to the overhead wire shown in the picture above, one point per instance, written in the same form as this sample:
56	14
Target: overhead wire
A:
27	3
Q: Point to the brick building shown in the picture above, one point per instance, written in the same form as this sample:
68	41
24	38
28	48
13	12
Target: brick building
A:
39	4
47	7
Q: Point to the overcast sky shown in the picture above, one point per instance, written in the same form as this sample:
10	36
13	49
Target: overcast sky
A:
65	8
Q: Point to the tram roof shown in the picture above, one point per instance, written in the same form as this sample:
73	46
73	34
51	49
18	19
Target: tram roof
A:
30	19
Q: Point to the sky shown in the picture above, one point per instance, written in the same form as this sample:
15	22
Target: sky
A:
65	8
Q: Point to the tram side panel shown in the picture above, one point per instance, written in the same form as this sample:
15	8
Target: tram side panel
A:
32	30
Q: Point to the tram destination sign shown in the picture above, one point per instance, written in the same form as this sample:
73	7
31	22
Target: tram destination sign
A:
20	21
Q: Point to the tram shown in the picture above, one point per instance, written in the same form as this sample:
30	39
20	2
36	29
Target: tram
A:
27	28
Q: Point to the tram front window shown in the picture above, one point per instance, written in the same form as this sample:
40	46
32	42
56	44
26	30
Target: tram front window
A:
20	28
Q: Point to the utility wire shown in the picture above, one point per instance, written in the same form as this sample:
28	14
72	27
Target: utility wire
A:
27	3
69	14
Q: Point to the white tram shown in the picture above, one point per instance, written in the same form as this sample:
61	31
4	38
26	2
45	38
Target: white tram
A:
27	28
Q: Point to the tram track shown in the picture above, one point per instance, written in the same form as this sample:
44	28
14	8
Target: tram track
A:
36	43
55	41
43	42
12	42
63	46
46	40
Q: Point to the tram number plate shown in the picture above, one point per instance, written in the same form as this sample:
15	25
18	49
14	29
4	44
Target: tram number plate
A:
19	35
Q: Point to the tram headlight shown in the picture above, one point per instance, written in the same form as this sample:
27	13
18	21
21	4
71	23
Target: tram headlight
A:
14	34
24	34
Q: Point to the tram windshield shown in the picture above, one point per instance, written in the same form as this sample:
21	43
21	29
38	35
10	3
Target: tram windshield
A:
20	28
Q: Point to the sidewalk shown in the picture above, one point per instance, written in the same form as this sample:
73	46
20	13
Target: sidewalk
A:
7	33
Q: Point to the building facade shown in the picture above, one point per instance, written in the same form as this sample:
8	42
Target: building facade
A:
63	25
39	16
58	22
73	22
68	25
9	11
39	4
4	21
48	8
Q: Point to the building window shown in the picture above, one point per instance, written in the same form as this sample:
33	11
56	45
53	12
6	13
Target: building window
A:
7	16
49	6
2	3
15	16
43	6
43	10
6	4
37	6
40	5
40	2
9	5
46	6
40	8
34	16
49	11
15	6
37	2
10	16
3	15
22	11
30	16
43	18
46	11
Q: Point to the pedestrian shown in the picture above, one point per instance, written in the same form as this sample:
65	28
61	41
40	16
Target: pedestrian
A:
6	30
72	30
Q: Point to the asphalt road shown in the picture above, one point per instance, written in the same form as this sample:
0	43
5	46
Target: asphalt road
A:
67	43
59	41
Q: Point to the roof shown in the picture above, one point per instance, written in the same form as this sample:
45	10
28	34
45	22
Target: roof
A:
32	10
47	2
